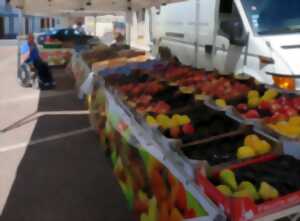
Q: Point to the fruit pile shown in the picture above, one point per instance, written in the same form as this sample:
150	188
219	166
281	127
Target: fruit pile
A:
192	126
288	128
230	187
225	88
261	181
283	173
174	126
226	150
222	88
271	106
253	146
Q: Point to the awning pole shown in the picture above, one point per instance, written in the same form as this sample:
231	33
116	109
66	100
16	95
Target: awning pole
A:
197	18
19	39
128	27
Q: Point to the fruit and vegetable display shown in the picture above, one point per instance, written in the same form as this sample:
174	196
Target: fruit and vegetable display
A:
244	168
56	57
99	53
102	52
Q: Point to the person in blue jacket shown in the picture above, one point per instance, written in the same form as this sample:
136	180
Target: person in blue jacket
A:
30	56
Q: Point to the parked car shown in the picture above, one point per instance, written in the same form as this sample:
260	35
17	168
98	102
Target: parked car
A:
67	34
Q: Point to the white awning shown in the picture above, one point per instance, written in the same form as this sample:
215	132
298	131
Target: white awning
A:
55	7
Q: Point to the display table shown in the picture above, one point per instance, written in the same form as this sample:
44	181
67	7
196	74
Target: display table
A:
158	180
82	68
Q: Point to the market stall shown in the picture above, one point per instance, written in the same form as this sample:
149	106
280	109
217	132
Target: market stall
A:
233	149
187	144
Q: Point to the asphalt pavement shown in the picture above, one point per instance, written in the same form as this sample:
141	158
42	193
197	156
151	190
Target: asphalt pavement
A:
52	167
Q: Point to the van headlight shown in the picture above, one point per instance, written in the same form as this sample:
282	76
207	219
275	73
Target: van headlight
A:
284	82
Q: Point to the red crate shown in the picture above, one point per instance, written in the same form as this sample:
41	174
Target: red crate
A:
243	209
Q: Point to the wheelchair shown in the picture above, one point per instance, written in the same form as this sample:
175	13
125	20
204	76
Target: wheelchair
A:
27	76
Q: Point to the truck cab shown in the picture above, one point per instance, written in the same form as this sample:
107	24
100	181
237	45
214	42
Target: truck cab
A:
258	38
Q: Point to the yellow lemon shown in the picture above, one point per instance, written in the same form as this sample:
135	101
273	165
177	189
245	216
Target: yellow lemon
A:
221	103
262	147
253	94
251	139
245	152
295	121
151	121
253	102
184	120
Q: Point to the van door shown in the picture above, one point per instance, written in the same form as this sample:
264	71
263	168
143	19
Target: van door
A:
206	24
227	57
180	26
174	27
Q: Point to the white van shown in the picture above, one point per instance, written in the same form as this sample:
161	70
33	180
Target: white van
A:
260	38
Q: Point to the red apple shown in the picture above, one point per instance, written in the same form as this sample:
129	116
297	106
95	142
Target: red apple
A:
278	117
198	77
144	99
252	114
243	108
288	111
188	129
296	103
161	107
282	100
264	105
175	132
275	106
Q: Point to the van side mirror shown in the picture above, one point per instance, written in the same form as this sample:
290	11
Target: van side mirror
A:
235	32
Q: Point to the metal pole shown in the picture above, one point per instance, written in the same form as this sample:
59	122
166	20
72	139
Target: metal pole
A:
95	25
197	18
20	16
128	27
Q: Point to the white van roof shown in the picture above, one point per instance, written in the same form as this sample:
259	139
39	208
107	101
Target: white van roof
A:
56	7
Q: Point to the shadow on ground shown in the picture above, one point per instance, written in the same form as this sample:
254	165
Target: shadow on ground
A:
64	178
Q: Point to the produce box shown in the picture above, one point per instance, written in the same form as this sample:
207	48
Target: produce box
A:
235	147
262	187
168	99
193	124
147	95
285	129
272	106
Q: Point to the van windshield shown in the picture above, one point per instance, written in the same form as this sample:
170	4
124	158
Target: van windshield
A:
273	16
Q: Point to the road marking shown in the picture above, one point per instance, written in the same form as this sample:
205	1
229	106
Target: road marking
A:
75	112
44	140
34	116
50	94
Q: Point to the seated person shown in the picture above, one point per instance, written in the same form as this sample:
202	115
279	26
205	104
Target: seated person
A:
30	55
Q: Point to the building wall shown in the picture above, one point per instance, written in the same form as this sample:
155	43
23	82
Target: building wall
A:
12	22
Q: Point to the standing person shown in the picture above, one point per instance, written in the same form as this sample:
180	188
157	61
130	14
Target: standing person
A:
30	56
120	42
